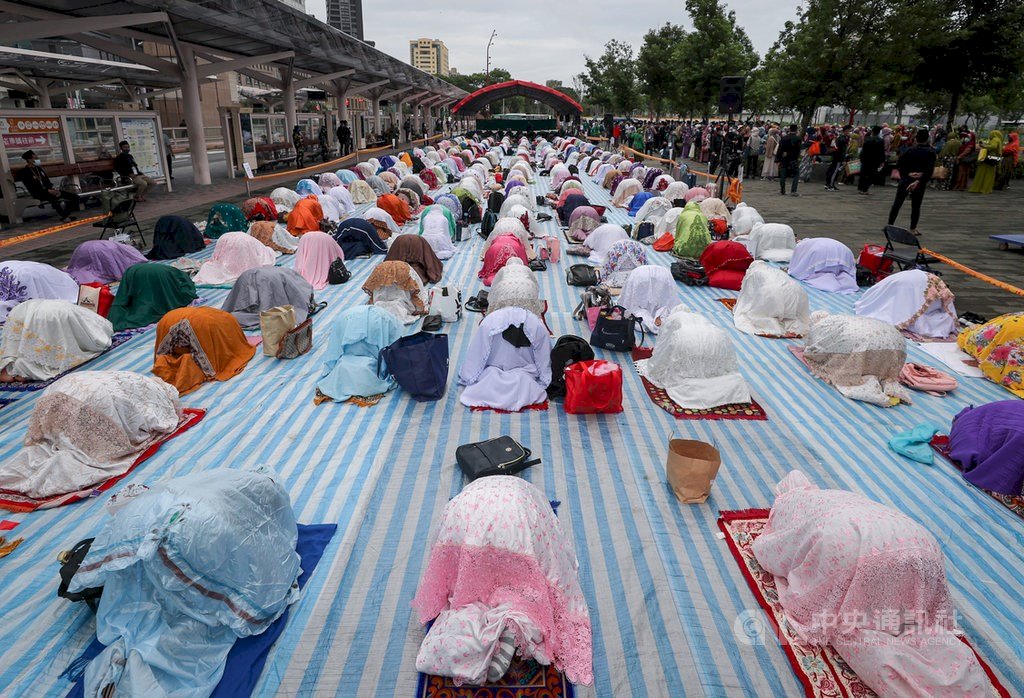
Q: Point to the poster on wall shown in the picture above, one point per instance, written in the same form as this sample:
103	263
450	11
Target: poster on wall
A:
145	142
41	135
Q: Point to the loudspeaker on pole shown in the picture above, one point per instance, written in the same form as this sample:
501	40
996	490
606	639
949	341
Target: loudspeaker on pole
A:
730	94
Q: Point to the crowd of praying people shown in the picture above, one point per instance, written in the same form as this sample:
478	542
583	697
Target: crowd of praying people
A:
502	577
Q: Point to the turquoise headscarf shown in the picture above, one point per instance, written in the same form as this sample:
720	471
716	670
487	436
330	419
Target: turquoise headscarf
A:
357	336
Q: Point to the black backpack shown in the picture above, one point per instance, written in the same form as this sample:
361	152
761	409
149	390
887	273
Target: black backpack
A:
495	201
490	219
569	349
470	211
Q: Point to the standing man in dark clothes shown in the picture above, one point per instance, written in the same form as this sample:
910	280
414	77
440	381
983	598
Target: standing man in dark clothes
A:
299	143
840	147
344	138
717	139
872	157
41	188
915	167
788	155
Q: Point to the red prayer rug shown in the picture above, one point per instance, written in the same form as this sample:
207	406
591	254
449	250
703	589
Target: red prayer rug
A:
539	407
730	303
751	411
940	444
13	501
823	673
525	678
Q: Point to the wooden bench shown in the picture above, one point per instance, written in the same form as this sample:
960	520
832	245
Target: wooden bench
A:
1006	241
270	155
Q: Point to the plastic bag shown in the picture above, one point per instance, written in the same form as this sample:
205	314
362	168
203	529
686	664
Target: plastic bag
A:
593	387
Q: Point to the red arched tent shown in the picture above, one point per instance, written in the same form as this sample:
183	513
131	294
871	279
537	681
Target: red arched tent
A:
559	101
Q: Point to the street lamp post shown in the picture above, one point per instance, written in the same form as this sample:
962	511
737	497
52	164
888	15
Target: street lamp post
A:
494	33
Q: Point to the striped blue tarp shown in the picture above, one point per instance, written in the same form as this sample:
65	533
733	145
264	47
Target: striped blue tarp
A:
665	596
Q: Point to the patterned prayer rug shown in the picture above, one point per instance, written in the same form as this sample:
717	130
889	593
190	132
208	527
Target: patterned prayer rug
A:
940	444
821	670
730	303
116	340
539	407
921	339
12	501
750	411
525	678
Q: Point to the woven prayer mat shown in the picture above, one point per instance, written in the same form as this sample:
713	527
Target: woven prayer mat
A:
13	501
751	411
940	444
116	340
525	678
730	303
539	407
823	673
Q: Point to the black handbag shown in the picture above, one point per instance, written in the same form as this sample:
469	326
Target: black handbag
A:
615	333
338	273
538	264
644	230
501	456
582	275
70	561
689	272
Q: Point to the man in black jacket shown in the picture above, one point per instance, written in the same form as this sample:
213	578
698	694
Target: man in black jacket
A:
344	138
872	157
839	149
40	187
915	167
789	160
125	165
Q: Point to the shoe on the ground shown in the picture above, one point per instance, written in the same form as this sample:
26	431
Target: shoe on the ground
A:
65	219
915	231
794	193
863	193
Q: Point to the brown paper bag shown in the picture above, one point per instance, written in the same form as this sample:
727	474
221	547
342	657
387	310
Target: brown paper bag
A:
274	324
691	468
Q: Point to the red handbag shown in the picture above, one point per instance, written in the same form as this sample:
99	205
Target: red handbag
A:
593	387
99	301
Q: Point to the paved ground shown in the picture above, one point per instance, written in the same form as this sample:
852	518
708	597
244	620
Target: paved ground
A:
956	224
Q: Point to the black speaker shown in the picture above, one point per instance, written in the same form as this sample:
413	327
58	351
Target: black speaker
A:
609	123
730	94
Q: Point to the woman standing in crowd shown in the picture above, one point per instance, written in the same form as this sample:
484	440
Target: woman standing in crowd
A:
947	159
965	159
985	175
770	170
1011	153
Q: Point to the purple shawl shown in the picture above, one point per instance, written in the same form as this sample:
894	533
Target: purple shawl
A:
102	261
987	442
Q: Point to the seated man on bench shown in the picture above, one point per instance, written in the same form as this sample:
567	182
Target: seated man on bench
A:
39	187
125	166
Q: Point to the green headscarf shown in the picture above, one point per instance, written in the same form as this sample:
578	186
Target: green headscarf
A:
147	292
692	234
225	218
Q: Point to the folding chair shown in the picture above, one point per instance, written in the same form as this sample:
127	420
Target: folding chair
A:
904	249
120	214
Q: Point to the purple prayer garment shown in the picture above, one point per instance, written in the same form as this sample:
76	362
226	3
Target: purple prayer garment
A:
102	261
988	444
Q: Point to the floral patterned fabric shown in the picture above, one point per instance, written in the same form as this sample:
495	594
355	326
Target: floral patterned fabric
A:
501	545
850	572
622	257
44	338
861	357
998	345
88	427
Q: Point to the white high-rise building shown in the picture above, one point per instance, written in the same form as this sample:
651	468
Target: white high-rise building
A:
429	55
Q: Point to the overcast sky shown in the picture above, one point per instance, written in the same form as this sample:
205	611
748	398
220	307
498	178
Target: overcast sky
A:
540	40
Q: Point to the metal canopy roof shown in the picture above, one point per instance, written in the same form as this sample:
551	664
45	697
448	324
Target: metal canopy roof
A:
219	30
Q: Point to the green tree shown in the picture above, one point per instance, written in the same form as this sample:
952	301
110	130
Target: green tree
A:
471	82
655	68
830	56
610	81
960	48
717	47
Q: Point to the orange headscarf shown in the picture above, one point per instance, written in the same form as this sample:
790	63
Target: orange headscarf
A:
397	207
404	157
199	344
306	216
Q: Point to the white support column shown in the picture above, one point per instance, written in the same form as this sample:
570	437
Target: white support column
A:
376	116
288	92
44	94
193	109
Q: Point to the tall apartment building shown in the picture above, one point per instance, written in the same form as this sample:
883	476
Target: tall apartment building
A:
346	15
429	55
